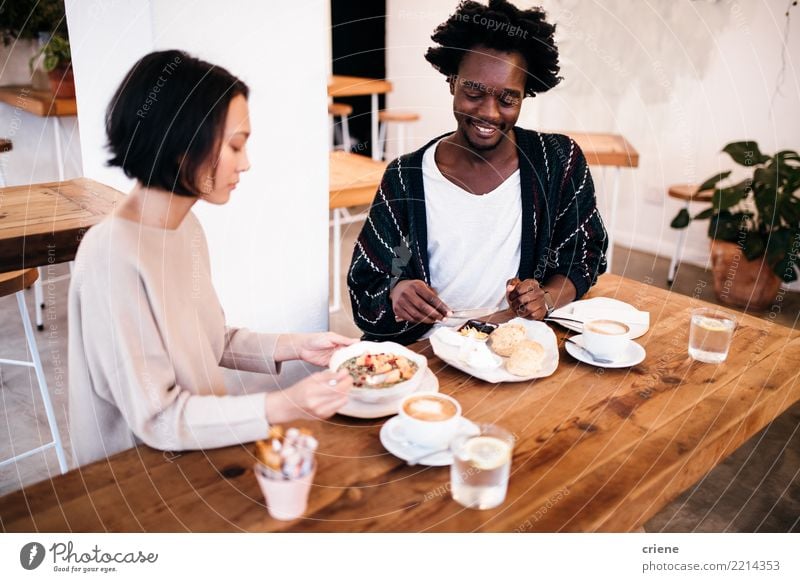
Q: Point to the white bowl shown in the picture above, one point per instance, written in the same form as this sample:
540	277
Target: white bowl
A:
375	395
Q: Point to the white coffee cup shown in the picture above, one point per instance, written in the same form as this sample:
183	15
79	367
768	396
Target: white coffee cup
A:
606	338
429	420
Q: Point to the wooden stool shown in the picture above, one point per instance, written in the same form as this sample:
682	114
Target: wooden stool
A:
401	118
688	193
341	110
14	283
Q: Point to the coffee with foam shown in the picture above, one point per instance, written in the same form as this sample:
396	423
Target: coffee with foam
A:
607	327
606	338
429	408
429	420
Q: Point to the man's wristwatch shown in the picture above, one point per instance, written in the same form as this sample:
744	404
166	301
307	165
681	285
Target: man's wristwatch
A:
548	302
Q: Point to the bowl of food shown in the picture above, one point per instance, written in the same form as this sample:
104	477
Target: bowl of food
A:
381	371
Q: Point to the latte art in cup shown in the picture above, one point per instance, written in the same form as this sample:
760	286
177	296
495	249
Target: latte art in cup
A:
429	408
606	338
429	420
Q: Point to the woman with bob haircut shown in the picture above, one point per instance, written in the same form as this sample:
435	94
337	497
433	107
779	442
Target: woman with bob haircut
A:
147	335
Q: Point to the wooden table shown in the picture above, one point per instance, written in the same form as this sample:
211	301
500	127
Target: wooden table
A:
608	149
346	86
353	182
42	224
595	452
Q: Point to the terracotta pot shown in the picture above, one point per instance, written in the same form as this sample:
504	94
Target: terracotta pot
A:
62	82
740	282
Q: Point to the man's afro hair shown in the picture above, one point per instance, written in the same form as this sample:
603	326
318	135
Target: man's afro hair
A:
500	26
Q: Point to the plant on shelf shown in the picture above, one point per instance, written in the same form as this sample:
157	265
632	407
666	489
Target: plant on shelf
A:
56	54
57	63
754	225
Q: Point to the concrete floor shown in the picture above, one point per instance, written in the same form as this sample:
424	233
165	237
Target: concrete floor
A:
757	489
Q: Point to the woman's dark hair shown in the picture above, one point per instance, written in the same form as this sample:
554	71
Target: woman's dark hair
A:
500	26
167	117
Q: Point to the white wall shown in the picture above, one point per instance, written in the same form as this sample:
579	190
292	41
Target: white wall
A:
678	79
33	158
269	244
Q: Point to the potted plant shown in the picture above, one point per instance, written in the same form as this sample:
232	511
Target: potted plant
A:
57	63
754	226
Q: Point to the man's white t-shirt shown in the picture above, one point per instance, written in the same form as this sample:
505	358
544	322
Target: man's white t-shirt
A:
473	241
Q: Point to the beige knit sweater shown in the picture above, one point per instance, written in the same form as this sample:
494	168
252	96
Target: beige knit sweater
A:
147	337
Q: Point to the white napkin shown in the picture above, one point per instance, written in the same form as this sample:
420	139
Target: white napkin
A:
621	314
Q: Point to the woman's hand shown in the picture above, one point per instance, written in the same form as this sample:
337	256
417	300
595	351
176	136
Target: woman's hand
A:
318	396
314	348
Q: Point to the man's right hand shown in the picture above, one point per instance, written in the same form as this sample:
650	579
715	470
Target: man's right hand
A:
414	301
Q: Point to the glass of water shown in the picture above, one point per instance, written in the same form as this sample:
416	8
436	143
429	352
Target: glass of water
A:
710	334
481	465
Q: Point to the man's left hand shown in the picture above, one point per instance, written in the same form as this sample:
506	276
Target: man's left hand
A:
526	298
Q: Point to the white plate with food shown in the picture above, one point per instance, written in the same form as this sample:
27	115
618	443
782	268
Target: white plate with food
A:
523	350
381	371
602	308
358	409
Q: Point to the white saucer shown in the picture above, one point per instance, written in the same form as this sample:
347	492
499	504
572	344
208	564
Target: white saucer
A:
405	450
608	303
358	409
633	355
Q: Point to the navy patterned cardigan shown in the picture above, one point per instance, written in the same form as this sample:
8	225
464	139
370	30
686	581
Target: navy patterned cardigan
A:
562	232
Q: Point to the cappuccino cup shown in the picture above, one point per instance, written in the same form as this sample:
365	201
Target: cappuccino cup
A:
429	420
606	338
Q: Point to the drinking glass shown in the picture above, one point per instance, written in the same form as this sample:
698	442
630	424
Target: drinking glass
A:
710	335
481	465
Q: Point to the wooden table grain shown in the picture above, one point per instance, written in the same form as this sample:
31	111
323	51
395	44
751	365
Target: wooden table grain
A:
354	179
44	223
597	450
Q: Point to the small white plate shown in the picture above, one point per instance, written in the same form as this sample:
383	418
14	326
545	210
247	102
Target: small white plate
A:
599	303
633	355
537	331
392	440
359	409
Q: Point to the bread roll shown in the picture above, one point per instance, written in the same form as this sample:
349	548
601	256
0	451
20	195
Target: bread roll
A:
526	359
506	337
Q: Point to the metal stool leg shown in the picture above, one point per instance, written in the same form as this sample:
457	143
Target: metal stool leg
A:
382	140
346	134
38	300
673	265
36	364
337	260
401	139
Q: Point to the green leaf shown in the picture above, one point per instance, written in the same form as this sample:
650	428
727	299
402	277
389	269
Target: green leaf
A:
725	198
778	244
681	220
724	226
754	245
707	213
784	156
713	180
745	153
790	211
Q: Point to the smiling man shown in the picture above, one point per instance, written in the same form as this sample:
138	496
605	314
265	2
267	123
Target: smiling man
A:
491	214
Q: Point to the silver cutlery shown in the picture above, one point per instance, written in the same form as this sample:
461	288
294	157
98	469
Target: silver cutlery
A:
594	358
